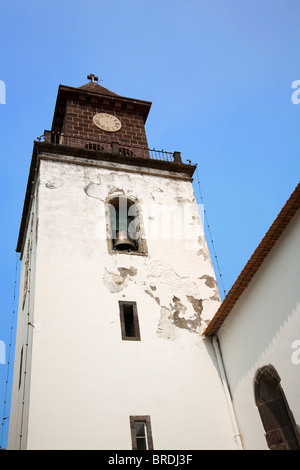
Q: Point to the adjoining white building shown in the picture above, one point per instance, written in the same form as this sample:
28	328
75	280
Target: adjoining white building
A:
117	286
258	330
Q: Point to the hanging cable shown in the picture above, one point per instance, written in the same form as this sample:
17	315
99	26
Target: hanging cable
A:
4	417
210	235
30	323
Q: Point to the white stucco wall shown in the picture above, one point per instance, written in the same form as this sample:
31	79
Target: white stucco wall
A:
22	362
262	329
86	381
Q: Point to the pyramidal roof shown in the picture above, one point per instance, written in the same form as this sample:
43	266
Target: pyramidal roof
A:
66	92
96	88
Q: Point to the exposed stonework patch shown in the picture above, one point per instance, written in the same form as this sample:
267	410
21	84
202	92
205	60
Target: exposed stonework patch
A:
212	284
216	296
178	311
196	303
157	300
166	329
115	190
190	309
117	282
202	251
209	281
180	319
182	200
132	271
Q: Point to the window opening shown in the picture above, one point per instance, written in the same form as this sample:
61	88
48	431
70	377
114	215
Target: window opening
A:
21	366
278	421
141	433
123	224
129	321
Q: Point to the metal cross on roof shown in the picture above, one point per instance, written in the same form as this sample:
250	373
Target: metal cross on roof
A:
92	77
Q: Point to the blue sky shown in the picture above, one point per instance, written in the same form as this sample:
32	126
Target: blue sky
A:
219	74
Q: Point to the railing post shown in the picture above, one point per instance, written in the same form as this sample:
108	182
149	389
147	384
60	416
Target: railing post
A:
177	157
47	136
115	148
61	139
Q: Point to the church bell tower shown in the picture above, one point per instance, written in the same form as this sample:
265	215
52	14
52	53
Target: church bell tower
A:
116	288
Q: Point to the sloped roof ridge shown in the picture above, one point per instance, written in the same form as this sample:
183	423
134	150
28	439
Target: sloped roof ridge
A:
96	88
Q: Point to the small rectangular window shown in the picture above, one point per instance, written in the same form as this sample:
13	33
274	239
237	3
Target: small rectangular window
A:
140	429
141	434
130	329
21	366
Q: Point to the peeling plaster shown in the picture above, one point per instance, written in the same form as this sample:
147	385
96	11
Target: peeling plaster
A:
212	284
117	282
189	309
202	251
115	190
181	300
94	190
196	303
179	315
55	183
166	329
157	300
128	271
209	281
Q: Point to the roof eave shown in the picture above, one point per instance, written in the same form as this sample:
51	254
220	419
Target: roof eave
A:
273	234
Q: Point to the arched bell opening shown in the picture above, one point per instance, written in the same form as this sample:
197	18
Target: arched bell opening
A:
123	215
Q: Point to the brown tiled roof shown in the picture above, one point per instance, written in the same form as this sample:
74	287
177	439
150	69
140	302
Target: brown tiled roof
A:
280	223
96	88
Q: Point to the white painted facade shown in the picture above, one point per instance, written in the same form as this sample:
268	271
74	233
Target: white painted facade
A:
25	325
82	380
264	328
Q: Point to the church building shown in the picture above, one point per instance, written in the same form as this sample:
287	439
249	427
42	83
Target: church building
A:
117	287
258	330
122	340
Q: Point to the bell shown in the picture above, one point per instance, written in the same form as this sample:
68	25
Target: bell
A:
124	242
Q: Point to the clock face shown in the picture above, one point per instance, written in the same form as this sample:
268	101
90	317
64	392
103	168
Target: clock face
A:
107	122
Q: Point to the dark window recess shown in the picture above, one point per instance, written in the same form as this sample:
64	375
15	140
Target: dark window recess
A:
141	434
129	321
281	430
21	366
